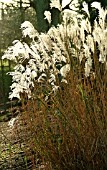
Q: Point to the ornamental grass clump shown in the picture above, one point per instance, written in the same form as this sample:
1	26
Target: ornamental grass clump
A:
63	77
69	131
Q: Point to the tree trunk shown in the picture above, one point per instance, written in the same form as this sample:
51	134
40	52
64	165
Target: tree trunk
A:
40	7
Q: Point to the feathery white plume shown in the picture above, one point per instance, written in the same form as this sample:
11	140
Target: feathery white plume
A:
47	16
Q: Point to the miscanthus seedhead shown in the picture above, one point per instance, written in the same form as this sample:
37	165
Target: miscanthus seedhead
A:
42	60
85	37
48	56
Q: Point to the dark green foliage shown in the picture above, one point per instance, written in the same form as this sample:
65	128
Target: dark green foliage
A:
5	82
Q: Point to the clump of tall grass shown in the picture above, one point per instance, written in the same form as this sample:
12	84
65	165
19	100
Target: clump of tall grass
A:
69	131
64	75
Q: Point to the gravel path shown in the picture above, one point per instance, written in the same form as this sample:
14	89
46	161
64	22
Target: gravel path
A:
11	154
